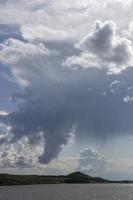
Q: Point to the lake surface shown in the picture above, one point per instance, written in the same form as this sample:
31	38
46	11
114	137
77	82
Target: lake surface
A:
68	192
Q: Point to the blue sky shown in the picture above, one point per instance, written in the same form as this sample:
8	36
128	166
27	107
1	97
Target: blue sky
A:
66	87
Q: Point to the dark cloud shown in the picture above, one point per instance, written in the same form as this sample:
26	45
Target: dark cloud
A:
53	109
56	98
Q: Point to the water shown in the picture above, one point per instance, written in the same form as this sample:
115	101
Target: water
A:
68	192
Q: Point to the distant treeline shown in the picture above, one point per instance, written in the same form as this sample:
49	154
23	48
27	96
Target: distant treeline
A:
76	177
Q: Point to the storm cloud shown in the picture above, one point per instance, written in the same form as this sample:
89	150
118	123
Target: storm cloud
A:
56	100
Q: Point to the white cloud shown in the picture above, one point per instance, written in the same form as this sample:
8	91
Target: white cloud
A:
92	162
115	86
42	33
20	154
3	112
103	48
71	19
21	55
128	98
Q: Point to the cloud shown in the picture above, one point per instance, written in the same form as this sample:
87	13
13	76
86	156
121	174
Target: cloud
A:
116	86
9	30
70	19
42	33
54	99
22	56
94	163
20	154
3	112
91	162
103	49
30	65
127	99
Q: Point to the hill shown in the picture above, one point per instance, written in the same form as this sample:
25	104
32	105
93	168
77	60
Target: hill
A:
75	177
79	177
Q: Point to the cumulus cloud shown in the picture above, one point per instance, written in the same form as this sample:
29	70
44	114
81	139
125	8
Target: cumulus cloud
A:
94	163
3	112
103	49
22	57
128	99
70	19
116	86
20	154
91	162
54	99
31	66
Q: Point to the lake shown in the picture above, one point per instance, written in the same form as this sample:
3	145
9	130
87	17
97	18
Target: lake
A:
68	192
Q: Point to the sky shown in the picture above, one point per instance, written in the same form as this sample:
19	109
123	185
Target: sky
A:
66	87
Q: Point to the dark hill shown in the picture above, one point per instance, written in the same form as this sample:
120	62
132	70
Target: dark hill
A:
79	177
75	177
